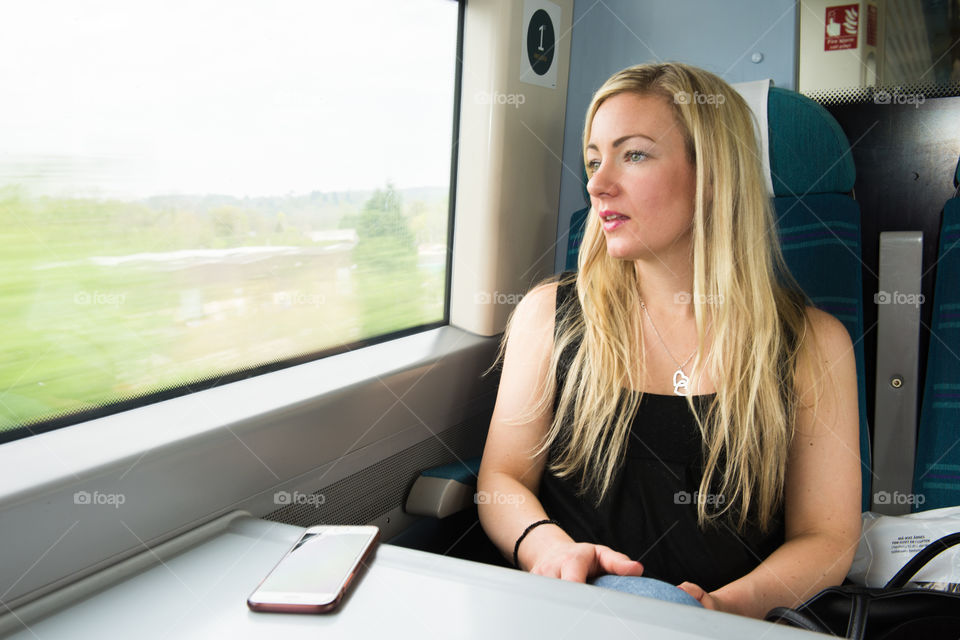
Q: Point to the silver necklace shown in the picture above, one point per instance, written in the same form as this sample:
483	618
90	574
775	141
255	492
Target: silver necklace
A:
681	383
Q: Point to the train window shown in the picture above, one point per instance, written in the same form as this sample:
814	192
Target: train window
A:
195	191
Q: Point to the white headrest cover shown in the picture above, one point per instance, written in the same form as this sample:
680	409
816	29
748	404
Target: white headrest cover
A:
755	93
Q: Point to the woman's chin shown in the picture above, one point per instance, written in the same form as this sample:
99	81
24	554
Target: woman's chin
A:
620	253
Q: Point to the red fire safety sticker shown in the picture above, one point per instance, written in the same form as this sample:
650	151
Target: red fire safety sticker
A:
841	27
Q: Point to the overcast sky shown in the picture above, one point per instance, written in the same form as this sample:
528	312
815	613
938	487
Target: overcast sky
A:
242	97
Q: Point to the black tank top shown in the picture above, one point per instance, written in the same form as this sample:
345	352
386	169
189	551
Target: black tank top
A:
650	511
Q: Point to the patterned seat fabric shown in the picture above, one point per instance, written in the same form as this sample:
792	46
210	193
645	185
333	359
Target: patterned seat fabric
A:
937	468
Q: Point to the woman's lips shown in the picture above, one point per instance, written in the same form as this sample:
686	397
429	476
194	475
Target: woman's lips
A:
612	219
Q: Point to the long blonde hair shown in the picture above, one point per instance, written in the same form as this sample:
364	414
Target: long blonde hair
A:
757	316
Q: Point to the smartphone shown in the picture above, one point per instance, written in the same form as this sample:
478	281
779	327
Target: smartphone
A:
313	576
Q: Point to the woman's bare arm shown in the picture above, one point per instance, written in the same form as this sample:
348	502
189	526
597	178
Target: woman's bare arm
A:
510	474
822	493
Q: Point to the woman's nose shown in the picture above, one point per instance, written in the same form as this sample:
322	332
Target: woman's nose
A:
602	183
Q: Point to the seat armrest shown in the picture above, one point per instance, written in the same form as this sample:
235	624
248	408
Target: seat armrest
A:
442	491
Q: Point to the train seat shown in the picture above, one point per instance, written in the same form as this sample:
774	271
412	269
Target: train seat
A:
578	221
441	491
818	223
937	468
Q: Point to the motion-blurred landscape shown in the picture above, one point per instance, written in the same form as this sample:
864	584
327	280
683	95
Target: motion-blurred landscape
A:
104	299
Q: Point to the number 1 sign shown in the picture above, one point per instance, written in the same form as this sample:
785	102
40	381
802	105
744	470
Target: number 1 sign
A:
538	48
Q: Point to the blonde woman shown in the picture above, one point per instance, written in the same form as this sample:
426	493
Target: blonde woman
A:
675	414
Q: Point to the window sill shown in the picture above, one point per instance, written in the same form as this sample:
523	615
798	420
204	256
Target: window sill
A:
79	498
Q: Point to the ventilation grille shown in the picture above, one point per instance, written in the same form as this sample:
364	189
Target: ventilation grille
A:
900	94
381	487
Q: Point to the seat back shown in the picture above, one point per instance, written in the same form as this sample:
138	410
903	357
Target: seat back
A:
819	224
578	221
937	468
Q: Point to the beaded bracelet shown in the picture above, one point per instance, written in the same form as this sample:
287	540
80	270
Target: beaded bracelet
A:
516	547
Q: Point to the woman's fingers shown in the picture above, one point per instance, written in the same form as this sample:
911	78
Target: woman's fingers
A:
695	590
576	568
577	562
610	561
569	561
702	596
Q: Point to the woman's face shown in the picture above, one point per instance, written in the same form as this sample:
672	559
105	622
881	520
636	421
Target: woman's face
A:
642	184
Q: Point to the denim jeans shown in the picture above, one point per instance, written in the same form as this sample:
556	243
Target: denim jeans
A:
647	587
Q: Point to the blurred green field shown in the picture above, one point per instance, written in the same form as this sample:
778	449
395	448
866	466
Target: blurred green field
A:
103	300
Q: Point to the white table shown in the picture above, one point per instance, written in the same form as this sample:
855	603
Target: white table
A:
201	593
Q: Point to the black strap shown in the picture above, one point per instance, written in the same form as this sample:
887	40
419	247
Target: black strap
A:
857	622
918	561
796	619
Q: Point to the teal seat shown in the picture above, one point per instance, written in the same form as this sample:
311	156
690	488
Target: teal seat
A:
464	472
578	221
937	468
819	224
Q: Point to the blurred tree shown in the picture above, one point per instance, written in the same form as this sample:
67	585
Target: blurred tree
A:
388	281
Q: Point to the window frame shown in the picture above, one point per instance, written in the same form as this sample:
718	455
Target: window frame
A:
214	380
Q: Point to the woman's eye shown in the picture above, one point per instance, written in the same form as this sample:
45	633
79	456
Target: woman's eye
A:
592	167
635	156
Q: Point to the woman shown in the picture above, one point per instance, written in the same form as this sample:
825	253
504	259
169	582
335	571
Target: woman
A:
675	409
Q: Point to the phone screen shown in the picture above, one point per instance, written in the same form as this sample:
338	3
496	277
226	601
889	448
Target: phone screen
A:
316	569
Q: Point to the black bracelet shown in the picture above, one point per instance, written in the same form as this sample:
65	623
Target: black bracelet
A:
516	547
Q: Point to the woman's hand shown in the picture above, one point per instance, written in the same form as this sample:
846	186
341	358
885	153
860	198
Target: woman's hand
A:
704	598
577	561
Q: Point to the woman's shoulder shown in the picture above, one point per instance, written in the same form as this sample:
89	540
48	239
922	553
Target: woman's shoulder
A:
545	296
537	309
827	355
829	333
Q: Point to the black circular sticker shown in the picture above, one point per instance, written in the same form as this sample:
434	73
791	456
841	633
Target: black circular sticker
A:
540	42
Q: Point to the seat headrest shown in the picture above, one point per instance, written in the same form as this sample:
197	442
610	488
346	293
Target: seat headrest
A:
809	152
755	94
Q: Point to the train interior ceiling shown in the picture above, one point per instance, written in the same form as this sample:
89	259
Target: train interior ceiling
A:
340	432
